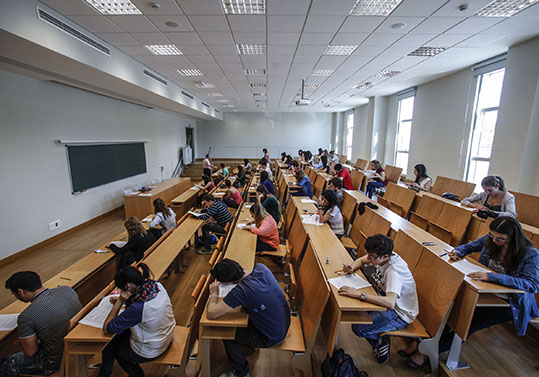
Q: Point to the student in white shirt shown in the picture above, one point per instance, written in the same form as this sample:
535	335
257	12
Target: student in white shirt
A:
164	216
207	165
391	278
422	180
330	212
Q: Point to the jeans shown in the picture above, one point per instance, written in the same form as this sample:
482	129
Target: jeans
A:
230	203
371	186
207	172
206	229
381	322
120	349
262	246
18	363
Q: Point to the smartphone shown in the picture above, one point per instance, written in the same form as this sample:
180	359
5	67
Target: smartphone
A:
429	243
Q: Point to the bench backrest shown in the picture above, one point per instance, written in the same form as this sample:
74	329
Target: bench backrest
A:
527	207
408	248
342	159
430	207
460	188
357	179
319	185
297	239
361	163
393	173
348	209
455	219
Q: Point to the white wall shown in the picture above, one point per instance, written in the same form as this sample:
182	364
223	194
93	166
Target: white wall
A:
245	134
361	141
36	186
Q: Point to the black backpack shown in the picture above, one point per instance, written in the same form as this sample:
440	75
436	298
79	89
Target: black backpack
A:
340	365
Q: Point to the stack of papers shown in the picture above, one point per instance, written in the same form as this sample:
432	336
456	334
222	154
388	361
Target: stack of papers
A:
308	201
310	219
352	280
119	243
145	194
8	322
98	315
196	214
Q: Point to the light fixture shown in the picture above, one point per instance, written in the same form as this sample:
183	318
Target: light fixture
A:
339	50
258	85
244	6
260	100
251	49
164	49
254	72
504	8
385	73
204	85
374	7
172	24
189	72
228	105
322	72
215	94
427	51
312	86
259	94
222	101
114	7
364	86
398	26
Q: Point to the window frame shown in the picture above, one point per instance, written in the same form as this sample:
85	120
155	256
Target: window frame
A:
401	97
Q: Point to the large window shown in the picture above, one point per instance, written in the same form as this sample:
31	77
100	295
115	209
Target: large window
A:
404	131
349	134
487	101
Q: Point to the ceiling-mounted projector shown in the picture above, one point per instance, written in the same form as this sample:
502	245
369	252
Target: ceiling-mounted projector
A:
302	101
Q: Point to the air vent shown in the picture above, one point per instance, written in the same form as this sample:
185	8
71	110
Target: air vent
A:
154	76
205	104
51	20
187	95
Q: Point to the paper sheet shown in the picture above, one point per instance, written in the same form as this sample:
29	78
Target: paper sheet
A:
196	214
147	219
248	205
225	288
98	315
241	225
308	201
194	188
119	243
310	219
352	280
218	194
145	194
467	267
8	322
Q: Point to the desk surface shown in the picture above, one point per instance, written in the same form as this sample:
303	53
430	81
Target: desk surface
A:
242	245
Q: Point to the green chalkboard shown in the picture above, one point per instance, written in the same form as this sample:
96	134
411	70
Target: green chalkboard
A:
95	165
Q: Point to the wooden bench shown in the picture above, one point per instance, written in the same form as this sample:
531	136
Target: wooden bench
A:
398	199
319	186
357	179
364	226
527	207
393	173
408	248
428	210
361	164
451	224
460	188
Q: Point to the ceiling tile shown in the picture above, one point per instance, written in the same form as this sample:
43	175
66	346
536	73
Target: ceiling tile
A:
418	7
451	9
191	50
397	51
436	25
250	38
227	59
70	8
324	7
411	22
281	50
201	7
209	23
281	59
166	8
285	23
447	40
306	59
361	24
378	39
215	38
348	39
283	38
151	38
315	38
474	25
96	24
224	49
324	23
330	62
254	61
287	7
201	59
184	38
135	50
132	23
118	39
414	40
479	40
311	50
369	50
149	59
174	59
160	23
247	23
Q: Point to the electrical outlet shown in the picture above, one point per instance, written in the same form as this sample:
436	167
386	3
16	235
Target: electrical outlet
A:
55	225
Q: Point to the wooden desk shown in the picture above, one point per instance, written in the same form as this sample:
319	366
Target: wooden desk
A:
141	204
242	244
186	200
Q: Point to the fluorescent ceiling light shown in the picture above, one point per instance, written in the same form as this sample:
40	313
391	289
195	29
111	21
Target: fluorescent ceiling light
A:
374	7
189	72
323	72
114	7
427	51
222	100
228	105
251	49
312	86
244	6
259	94
505	8
258	85
387	73
215	94
164	49
260	100
363	86
339	50
254	72
204	85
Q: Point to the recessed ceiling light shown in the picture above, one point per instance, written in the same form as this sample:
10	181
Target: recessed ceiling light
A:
339	50
312	86
164	49
398	26
215	94
254	72
363	86
251	49
189	72
386	73
323	72
260	100
204	85
114	7
259	94
222	100
427	51
172	24
244	6
374	7
258	85
505	8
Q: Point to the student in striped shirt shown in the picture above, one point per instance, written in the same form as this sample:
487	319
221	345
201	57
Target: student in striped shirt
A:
216	209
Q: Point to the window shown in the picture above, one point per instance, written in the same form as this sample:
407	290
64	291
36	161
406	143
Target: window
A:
487	102
349	134
404	131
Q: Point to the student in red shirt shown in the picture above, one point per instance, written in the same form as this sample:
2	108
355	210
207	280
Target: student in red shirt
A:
232	197
265	228
343	173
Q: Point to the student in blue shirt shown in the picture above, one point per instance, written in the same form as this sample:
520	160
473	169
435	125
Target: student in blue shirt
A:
515	262
265	181
305	184
259	294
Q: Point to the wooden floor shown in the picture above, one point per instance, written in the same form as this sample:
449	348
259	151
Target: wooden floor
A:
496	352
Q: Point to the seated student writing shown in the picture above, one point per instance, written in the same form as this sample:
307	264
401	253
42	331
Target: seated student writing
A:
263	165
301	155
515	264
265	227
317	164
240	177
422	180
390	277
144	329
283	156
333	157
138	242
306	188
335	184
344	174
294	166
270	202
223	173
329	212
259	294
494	198
41	327
216	209
266	181
377	178
232	196
164	216
247	166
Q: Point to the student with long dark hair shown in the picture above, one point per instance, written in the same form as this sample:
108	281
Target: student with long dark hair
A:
330	212
247	166
269	201
494	198
515	264
422	180
265	180
303	181
138	242
377	179
240	177
144	329
164	216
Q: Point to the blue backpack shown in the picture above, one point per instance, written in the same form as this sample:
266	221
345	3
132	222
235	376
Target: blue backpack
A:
340	365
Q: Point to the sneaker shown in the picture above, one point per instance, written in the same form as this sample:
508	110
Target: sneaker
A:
233	373
381	352
204	252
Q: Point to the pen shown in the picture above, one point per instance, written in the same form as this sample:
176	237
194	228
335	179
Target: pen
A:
339	271
443	255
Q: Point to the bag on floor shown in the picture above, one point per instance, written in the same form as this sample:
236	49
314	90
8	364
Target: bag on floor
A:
340	365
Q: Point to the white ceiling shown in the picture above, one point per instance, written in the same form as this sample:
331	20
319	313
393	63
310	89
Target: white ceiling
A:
296	33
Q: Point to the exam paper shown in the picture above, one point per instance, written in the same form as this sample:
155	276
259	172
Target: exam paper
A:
118	243
195	188
8	322
467	267
241	225
145	194
310	219
224	289
147	219
308	201
98	315
352	280
194	213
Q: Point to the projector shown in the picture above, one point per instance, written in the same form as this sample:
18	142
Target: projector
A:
303	102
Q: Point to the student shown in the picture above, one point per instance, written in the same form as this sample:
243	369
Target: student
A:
494	197
164	216
240	177
265	227
144	329
305	184
41	326
138	242
317	164
217	210
263	165
265	180
324	159
344	174
207	165
377	179
232	196
335	184
269	201
308	157
294	166
266	155
224	171
208	184
261	297
515	264
329	212
288	160
248	166
300	155
333	157
422	180
283	156
390	277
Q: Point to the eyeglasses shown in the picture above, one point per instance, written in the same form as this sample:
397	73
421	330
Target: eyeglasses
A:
499	239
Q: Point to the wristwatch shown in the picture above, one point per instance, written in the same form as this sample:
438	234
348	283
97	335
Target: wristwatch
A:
362	296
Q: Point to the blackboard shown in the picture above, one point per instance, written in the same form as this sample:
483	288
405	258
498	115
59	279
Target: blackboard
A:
95	165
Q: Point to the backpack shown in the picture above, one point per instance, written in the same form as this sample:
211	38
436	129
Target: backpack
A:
340	365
